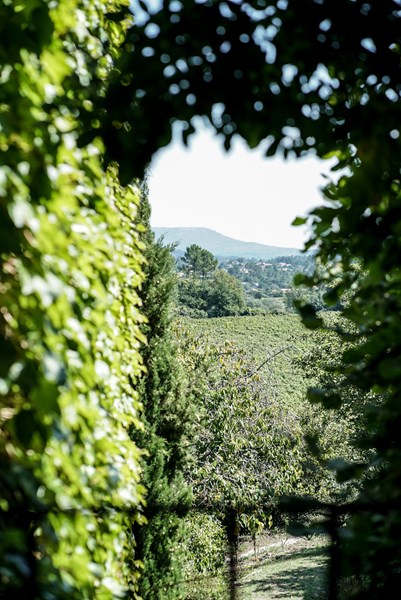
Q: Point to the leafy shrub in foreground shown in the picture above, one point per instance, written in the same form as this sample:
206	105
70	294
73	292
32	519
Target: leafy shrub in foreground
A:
205	549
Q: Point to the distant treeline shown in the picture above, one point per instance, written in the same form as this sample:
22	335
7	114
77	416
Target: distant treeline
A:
267	283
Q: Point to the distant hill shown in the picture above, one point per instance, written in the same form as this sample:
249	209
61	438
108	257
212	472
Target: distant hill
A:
220	245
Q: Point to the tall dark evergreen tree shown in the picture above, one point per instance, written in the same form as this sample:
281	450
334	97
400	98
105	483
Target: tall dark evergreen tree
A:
166	415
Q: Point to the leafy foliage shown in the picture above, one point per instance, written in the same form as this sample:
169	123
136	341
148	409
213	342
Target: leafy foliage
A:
319	77
226	296
332	430
71	266
205	549
246	449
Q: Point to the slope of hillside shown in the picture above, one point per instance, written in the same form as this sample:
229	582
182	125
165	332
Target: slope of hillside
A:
220	245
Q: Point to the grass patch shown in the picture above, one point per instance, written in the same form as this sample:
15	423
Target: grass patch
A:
295	571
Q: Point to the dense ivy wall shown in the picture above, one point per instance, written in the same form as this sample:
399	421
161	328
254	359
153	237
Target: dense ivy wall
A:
69	313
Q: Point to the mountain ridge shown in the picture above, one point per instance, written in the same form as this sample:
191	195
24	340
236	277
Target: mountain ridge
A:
218	244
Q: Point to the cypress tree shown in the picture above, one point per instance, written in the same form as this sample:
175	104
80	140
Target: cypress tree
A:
166	415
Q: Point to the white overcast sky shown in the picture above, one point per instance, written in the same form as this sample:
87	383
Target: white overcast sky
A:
240	194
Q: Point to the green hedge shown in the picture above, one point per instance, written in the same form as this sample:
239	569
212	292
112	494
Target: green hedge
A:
71	267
